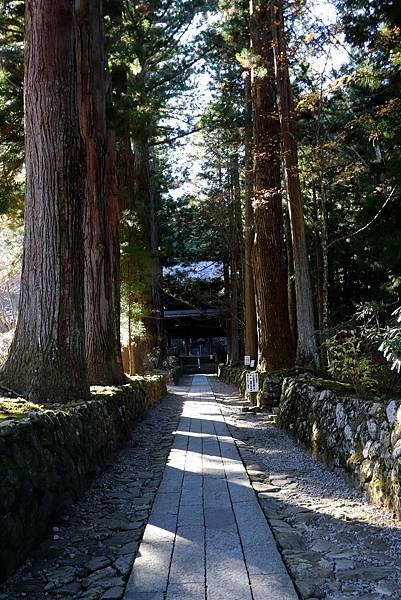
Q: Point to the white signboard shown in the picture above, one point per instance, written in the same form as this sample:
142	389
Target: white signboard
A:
247	360
252	364
252	382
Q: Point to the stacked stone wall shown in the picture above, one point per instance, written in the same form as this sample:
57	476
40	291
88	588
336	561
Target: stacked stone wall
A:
49	456
270	383
362	437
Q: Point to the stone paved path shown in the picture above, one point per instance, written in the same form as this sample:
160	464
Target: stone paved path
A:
207	536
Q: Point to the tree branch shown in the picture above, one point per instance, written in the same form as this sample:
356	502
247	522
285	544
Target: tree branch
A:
178	136
344	237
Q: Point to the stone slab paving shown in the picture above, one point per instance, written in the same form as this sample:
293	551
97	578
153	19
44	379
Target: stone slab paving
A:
335	544
207	536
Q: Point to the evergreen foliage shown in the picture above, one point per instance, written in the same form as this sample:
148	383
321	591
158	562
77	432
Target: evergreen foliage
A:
182	161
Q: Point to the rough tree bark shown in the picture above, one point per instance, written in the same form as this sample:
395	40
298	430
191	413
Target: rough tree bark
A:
144	207
307	353
292	304
47	359
227	296
235	258
234	329
102	280
275	339
251	333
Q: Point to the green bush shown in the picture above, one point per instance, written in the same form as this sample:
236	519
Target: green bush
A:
347	362
391	344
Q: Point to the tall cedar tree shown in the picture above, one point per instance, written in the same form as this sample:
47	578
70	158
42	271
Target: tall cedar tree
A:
145	209
275	339
251	332
47	360
161	62
307	353
101	286
236	251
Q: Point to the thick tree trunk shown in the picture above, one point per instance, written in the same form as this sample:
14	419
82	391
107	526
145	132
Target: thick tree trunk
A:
47	360
238	216
275	339
236	250
227	295
251	333
102	281
144	208
234	355
307	354
292	304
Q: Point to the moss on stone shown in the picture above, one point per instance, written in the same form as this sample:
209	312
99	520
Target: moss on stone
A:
18	408
335	386
58	449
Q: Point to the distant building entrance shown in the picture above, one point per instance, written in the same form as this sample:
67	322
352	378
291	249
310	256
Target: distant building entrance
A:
197	337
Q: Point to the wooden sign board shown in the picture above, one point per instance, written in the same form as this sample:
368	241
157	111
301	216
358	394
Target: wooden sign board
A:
252	382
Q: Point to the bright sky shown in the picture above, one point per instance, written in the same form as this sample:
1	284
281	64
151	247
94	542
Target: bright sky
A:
331	58
325	12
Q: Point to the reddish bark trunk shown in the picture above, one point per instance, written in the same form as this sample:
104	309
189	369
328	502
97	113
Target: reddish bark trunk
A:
251	333
46	360
144	208
307	354
237	250
101	285
227	295
234	355
275	340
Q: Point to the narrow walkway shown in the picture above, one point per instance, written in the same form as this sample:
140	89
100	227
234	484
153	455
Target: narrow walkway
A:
207	537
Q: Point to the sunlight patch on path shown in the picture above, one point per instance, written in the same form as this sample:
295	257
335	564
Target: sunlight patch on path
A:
207	536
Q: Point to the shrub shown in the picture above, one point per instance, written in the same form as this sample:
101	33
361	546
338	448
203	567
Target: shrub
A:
391	344
347	362
366	351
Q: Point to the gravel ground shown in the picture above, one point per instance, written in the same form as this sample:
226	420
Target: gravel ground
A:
335	544
90	552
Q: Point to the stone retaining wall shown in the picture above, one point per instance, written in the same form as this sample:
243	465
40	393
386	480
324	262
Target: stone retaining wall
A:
363	437
49	456
270	383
